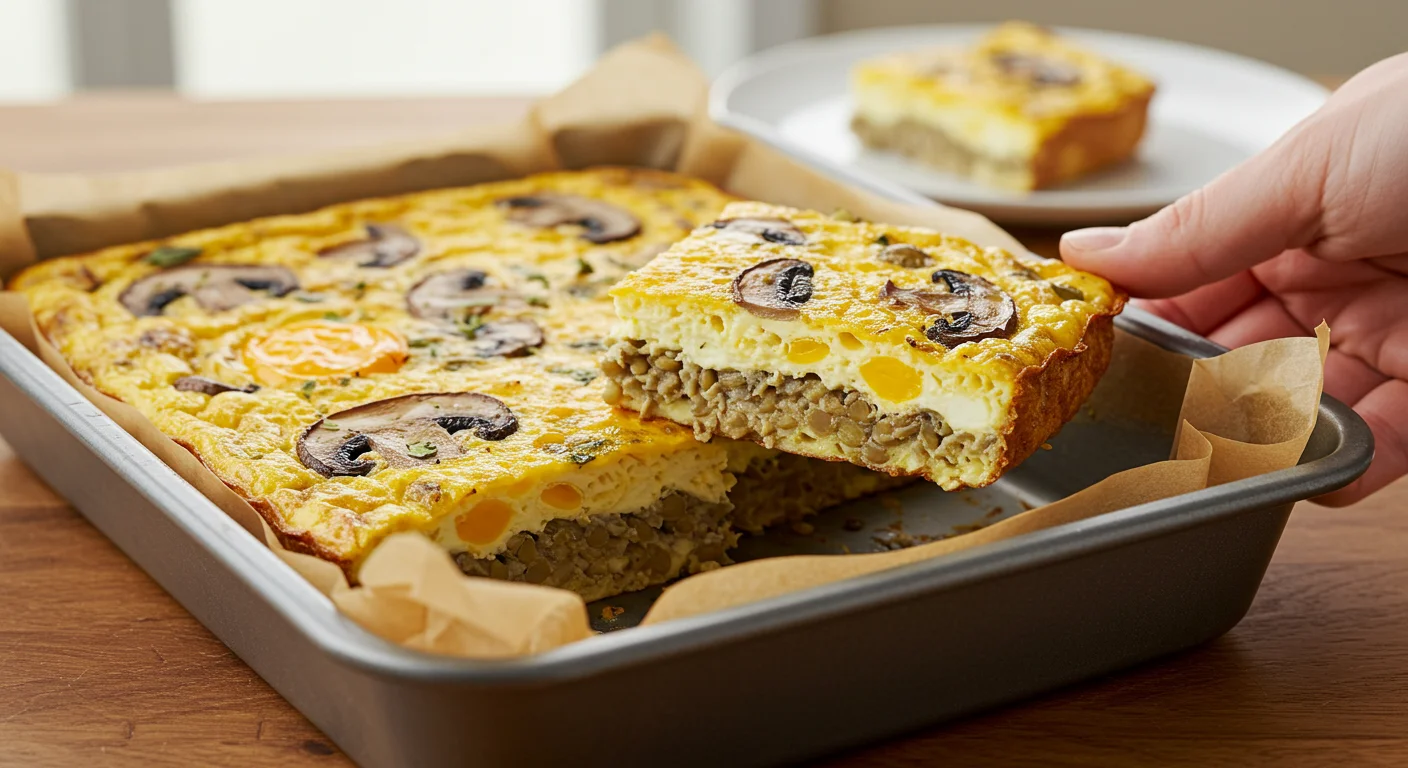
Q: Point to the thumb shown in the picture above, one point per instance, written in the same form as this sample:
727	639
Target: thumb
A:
1253	212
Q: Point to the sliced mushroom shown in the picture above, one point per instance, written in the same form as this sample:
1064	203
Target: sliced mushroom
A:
216	287
506	338
405	431
1038	69
386	245
970	310
905	255
1067	292
454	295
210	386
774	288
772	230
601	221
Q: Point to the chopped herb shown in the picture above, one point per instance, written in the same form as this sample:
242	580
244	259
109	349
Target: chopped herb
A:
171	255
539	277
422	342
308	387
308	298
882	240
344	381
469	326
591	344
360	286
331	425
583	452
583	376
537	301
421	450
332	316
584	267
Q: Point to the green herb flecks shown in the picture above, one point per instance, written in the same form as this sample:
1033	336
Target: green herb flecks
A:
882	240
308	387
584	267
171	255
309	298
421	450
537	301
469	326
344	381
590	344
538	277
585	451
417	343
332	316
582	376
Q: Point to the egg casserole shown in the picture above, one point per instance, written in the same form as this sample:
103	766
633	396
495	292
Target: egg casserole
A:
902	350
428	362
1022	109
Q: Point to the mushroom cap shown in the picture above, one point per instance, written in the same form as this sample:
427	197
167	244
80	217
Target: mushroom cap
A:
971	309
905	255
385	245
601	222
216	287
210	386
774	288
454	295
1040	70
773	230
334	446
506	338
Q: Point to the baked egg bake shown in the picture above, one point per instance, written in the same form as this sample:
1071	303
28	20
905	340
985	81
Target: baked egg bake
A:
1021	109
428	363
898	349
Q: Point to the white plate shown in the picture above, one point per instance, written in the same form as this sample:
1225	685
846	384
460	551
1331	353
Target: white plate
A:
1212	110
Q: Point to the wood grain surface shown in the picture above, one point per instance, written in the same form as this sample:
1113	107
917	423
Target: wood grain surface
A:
98	666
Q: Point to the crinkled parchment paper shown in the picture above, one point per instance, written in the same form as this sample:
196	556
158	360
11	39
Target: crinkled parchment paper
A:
1245	413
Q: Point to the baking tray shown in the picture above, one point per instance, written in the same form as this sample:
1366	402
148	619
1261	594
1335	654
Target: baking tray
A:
779	680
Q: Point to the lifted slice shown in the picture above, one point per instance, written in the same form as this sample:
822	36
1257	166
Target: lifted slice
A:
948	361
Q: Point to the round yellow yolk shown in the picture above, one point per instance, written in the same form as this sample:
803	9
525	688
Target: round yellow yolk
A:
892	379
484	522
561	496
319	348
803	351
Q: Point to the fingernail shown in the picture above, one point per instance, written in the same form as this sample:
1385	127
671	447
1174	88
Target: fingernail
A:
1093	239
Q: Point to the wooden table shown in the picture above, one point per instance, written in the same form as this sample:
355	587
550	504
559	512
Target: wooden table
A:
99	666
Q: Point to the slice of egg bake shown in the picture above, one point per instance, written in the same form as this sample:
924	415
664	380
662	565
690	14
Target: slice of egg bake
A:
1021	108
902	350
428	362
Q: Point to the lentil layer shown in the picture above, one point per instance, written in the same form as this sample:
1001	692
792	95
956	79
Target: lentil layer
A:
796	414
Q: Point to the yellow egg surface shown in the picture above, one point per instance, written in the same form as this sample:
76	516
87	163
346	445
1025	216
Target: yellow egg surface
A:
241	341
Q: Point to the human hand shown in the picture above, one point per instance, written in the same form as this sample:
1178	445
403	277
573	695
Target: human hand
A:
1315	227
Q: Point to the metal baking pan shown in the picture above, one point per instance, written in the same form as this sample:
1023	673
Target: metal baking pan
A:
779	680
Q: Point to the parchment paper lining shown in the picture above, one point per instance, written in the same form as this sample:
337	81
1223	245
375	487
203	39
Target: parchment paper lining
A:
1245	413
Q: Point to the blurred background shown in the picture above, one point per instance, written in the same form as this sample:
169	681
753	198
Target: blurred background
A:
260	49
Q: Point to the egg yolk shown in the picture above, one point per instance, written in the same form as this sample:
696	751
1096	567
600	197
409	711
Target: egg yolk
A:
562	496
891	379
484	523
318	349
803	351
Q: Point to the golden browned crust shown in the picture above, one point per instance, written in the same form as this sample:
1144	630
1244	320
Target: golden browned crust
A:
1047	396
1090	142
